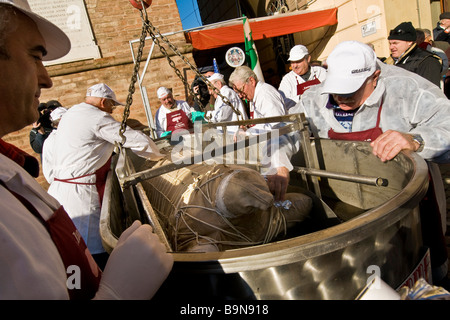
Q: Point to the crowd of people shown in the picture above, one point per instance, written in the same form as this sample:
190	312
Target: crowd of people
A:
397	104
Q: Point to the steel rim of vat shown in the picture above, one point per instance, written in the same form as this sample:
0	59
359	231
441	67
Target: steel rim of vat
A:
317	243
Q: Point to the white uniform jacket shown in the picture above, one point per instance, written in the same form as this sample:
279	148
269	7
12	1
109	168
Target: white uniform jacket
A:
223	112
30	264
267	102
83	143
161	115
288	85
411	104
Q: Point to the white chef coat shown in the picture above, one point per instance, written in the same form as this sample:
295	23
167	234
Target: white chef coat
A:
288	85
161	115
223	112
410	105
83	143
267	102
30	264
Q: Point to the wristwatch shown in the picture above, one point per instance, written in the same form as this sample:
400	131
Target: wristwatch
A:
417	138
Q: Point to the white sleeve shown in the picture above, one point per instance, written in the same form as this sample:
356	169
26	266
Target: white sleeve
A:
160	126
136	140
30	264
48	157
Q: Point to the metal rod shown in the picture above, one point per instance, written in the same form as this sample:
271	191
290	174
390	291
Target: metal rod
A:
198	157
374	181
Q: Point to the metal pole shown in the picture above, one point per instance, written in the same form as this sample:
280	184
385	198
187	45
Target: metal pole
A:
374	181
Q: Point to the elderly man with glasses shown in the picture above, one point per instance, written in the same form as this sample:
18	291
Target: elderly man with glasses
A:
266	101
406	54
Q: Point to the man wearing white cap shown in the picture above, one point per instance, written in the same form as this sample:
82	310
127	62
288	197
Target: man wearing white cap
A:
40	248
222	111
363	99
301	77
168	105
76	160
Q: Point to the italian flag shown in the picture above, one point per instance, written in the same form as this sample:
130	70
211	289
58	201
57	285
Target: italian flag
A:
251	54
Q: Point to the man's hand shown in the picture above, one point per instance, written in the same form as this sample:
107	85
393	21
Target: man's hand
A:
390	143
137	267
278	183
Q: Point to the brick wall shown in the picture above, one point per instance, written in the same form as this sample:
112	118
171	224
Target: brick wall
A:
114	24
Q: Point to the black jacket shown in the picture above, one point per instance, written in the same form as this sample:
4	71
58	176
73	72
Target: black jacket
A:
422	62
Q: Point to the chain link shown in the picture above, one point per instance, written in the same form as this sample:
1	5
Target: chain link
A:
131	89
154	32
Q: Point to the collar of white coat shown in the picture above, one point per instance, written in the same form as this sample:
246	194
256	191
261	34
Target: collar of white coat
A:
257	89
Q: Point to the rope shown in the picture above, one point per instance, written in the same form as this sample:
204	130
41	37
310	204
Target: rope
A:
185	218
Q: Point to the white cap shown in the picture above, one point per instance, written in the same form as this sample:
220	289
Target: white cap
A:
162	92
349	65
57	113
101	90
56	41
215	76
298	52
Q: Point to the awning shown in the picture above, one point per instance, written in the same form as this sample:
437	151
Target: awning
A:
222	34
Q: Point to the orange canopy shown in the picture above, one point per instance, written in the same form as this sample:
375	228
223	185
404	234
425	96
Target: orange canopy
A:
267	27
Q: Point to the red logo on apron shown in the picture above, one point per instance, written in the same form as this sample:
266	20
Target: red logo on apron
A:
178	120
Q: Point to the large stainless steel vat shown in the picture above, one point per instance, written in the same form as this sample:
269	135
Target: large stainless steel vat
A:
357	229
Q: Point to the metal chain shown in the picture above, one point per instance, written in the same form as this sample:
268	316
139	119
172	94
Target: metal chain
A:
170	61
154	32
131	89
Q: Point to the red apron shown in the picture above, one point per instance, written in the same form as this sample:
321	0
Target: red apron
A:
430	219
100	179
71	248
178	120
302	87
366	135
23	159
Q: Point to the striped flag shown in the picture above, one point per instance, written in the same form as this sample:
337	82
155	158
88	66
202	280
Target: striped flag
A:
250	51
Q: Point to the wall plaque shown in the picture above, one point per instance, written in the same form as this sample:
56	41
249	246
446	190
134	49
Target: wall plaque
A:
71	16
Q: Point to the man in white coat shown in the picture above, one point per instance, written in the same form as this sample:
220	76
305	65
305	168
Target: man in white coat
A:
364	99
38	241
301	77
223	112
77	158
266	101
168	105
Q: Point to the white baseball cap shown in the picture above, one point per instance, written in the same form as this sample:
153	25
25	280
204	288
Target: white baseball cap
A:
298	52
101	90
215	76
57	113
349	65
56	41
162	92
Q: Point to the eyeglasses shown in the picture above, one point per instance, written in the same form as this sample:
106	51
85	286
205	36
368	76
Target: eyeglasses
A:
240	91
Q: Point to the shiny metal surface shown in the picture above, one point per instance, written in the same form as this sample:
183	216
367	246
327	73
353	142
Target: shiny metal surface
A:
379	230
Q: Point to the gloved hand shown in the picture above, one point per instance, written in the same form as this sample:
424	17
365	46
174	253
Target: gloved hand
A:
137	266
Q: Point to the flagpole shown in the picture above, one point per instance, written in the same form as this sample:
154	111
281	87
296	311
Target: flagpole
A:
250	51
